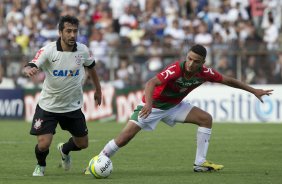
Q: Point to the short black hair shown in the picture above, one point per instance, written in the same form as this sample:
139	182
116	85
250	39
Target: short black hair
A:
69	19
200	50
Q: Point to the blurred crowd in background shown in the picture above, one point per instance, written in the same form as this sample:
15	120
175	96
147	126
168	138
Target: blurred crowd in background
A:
132	40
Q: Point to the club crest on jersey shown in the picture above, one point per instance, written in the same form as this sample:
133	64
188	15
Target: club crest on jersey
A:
78	59
65	73
37	124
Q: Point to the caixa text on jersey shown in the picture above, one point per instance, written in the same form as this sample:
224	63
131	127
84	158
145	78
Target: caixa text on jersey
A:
65	73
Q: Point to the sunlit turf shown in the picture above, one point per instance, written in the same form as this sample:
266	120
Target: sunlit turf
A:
251	153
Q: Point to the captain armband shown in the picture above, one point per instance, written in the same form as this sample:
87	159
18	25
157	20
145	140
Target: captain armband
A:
91	66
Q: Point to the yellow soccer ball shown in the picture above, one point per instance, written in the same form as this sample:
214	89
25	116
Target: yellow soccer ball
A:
100	166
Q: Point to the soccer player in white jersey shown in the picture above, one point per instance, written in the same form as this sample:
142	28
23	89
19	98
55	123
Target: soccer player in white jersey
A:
61	98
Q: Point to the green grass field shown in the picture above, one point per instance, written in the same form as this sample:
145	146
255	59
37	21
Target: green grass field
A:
251	154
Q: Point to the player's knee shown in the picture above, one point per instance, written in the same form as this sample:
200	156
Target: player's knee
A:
44	144
206	120
83	145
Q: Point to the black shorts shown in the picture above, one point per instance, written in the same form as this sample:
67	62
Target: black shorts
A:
45	122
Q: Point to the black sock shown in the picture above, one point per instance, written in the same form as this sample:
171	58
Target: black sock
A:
41	156
69	146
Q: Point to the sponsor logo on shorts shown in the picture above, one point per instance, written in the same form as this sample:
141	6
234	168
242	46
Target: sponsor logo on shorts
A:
38	123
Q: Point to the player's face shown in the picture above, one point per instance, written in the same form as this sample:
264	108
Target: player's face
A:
69	34
193	62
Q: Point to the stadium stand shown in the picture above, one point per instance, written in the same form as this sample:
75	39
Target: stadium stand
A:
133	39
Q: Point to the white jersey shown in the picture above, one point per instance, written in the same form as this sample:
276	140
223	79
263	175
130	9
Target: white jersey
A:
64	75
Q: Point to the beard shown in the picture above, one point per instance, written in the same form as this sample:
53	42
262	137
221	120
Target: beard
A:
69	42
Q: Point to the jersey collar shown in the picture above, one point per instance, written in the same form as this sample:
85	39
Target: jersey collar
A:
59	46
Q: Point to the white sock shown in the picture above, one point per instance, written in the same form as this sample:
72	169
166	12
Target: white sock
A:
110	148
203	139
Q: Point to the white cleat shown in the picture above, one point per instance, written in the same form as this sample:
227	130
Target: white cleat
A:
66	159
38	171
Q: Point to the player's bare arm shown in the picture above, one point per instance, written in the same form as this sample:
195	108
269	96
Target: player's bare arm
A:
229	81
29	71
149	88
98	90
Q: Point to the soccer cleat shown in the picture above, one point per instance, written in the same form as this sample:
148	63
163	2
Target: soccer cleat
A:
38	171
86	171
66	159
207	166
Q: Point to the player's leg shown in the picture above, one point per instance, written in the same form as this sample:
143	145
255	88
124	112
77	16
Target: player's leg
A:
134	125
128	132
204	121
73	144
41	152
75	123
43	126
42	148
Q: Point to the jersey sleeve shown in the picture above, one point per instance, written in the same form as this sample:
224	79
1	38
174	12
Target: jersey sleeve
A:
40	57
212	75
89	59
173	71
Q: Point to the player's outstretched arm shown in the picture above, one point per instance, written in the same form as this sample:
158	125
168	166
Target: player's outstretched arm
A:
229	81
96	81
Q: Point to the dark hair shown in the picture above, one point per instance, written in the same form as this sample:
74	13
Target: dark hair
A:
69	19
199	49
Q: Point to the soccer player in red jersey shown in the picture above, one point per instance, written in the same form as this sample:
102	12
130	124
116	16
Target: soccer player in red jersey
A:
163	101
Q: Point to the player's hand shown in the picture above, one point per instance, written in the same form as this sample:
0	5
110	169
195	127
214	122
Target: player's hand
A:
260	92
30	72
98	97
145	111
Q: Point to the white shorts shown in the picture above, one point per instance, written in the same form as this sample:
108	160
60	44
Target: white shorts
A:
170	116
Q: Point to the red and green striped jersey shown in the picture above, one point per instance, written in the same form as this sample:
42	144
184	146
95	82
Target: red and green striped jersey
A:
175	86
